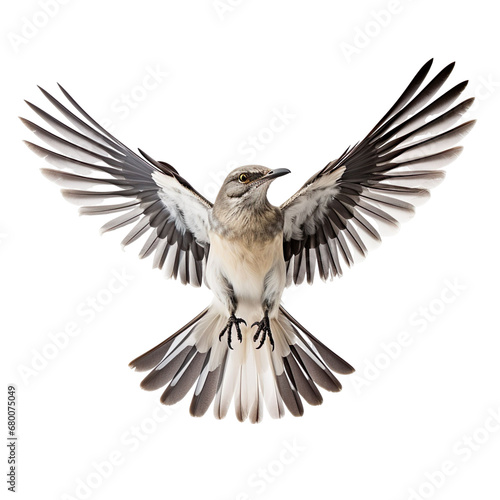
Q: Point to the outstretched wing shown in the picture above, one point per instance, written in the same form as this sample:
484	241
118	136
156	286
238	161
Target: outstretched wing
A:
346	206
98	171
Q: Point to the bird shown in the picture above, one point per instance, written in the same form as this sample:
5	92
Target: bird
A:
245	350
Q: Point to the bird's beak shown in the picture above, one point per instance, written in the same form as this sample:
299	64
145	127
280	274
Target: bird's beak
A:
273	174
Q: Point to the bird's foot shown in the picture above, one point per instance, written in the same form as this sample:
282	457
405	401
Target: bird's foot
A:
233	320
264	331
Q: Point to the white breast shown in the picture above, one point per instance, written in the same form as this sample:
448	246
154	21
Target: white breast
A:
246	265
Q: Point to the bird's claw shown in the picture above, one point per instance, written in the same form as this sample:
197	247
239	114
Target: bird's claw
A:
233	320
264	331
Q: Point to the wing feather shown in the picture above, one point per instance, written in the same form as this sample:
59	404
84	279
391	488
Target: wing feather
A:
343	210
93	168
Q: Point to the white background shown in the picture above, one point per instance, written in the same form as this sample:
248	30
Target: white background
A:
388	432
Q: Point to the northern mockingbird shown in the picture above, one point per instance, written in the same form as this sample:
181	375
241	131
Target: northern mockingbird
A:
245	347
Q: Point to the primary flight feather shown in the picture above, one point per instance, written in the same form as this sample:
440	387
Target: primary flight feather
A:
245	347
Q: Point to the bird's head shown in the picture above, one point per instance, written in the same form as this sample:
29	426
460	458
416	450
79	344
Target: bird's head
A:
248	185
244	194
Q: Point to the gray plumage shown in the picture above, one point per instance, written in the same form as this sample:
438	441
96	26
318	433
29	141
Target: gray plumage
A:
245	347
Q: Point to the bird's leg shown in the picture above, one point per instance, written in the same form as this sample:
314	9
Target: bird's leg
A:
233	320
273	288
263	331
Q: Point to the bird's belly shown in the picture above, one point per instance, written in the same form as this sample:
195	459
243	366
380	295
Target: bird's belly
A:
248	267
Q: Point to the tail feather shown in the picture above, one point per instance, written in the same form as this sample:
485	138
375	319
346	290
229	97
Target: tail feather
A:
204	392
240	397
257	410
247	399
227	383
305	385
158	378
335	362
268	384
288	391
319	372
245	376
185	377
152	357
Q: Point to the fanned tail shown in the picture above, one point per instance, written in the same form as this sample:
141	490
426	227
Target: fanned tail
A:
252	378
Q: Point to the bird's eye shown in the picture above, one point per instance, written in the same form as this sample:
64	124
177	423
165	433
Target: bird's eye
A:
243	178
